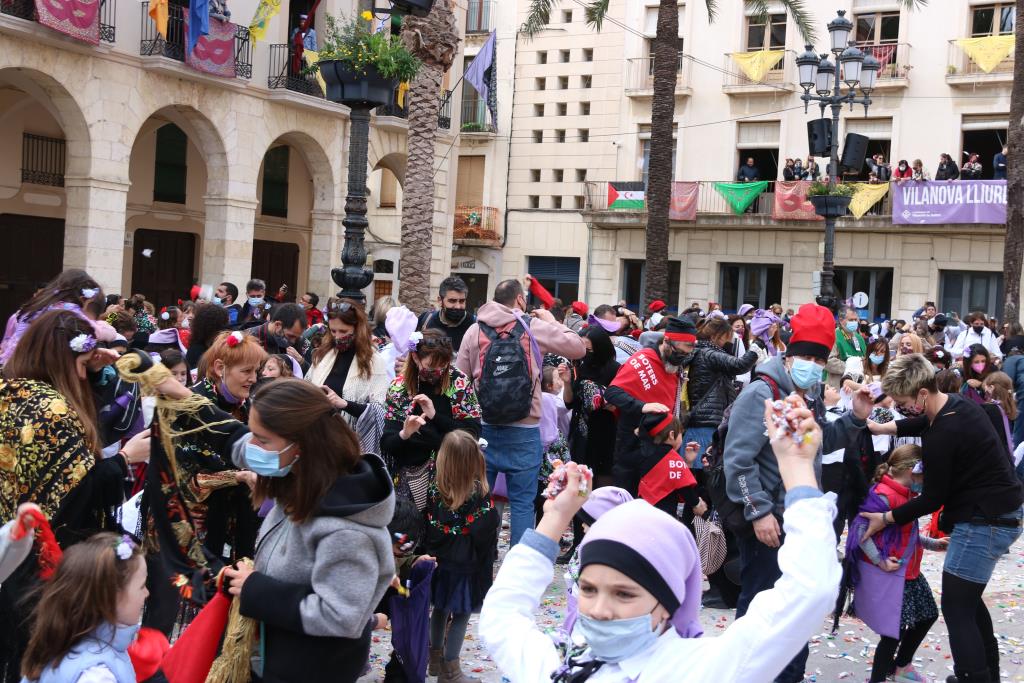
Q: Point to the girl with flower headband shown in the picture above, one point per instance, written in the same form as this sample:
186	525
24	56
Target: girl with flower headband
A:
89	614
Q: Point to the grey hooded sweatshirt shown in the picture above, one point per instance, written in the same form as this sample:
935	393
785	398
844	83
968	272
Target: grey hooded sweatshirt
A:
751	470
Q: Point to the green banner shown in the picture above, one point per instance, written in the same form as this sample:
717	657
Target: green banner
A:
741	195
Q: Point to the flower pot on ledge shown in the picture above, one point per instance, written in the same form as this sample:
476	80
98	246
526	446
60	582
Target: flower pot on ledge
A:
354	88
830	205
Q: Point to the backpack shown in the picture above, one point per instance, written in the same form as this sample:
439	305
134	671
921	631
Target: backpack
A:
730	513
505	391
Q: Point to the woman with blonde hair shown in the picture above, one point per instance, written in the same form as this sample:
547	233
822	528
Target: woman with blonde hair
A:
909	343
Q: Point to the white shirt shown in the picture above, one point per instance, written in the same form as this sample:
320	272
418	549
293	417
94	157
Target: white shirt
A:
834	456
969	337
754	648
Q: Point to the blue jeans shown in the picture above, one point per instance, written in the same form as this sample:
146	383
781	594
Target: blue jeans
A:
759	572
516	451
974	549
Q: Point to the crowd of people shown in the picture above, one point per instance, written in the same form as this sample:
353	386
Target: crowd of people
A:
329	474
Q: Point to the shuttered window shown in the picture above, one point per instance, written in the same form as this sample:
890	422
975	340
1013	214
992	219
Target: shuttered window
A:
469	188
275	183
171	170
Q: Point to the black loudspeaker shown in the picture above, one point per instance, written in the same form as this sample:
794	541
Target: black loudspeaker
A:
855	150
819	137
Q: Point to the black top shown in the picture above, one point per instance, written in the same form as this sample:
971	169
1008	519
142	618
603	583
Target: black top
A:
967	467
336	380
455	333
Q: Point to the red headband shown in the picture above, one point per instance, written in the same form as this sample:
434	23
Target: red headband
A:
681	337
655	430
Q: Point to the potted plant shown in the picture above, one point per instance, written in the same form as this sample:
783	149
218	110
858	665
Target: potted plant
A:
830	201
360	67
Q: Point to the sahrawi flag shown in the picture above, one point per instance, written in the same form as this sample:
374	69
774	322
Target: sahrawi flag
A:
626	195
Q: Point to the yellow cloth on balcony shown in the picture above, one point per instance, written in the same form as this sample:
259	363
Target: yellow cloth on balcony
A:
265	11
866	195
312	58
158	13
756	65
987	52
403	88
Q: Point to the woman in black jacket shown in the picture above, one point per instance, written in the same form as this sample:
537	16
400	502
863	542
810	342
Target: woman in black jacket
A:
947	169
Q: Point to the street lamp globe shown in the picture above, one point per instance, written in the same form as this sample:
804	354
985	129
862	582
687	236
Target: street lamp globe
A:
826	71
852	60
839	30
807	63
869	74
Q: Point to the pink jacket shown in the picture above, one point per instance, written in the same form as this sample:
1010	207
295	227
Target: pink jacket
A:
551	338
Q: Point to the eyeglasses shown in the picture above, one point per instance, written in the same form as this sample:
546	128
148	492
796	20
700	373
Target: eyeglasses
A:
340	307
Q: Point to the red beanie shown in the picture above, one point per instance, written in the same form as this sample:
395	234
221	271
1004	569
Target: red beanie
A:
580	309
656	306
814	332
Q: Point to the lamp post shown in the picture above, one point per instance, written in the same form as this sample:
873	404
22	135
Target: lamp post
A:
852	68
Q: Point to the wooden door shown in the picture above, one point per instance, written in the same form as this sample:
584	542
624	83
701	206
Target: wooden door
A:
32	254
165	275
276	263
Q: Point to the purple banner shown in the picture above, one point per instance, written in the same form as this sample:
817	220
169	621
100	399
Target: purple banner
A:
942	201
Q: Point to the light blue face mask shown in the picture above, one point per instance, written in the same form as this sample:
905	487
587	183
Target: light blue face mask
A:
876	359
917	486
217	301
805	373
852	326
266	463
255	301
614	640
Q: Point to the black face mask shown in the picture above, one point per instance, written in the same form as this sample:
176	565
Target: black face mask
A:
978	330
453	316
680	359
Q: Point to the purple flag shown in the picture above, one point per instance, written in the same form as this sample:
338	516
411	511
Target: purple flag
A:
482	75
942	201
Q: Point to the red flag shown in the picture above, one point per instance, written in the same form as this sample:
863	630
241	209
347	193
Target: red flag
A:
791	203
683	205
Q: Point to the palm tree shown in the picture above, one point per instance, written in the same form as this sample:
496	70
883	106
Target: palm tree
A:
434	40
663	103
1013	248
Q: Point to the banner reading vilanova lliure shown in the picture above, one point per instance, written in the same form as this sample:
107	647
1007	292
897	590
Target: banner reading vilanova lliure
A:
941	201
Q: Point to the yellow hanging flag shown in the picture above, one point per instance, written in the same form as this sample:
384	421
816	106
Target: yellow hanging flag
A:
987	52
866	195
403	88
756	65
312	58
265	11
158	13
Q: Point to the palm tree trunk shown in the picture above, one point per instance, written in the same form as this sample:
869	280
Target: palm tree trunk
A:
1013	249
659	182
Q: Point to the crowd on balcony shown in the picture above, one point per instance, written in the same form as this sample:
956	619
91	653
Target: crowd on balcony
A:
333	472
882	171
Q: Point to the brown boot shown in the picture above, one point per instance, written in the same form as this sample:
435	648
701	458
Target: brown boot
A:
434	663
451	672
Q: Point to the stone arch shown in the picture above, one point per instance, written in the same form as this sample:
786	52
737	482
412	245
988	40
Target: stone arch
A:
208	140
394	162
318	163
388	150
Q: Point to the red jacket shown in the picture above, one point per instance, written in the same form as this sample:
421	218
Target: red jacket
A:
314	316
897	494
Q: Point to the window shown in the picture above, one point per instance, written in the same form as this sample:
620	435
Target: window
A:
645	153
539	83
757	285
580	204
171	168
561	109
534	201
584	135
564	55
275	183
633	282
383	266
991	20
556	202
761	36
650	58
382	288
878	28
542	57
581	175
586	81
559	275
538	110
558	175
563	82
567	16
876	283
964	291
588	54
538	136
584	108
559	136
469	181
388	189
534	175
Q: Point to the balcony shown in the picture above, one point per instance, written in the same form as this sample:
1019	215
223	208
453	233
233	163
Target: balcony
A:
173	47
962	72
640	76
894	58
285	76
476	226
26	9
782	78
476	119
480	17
444	114
43	160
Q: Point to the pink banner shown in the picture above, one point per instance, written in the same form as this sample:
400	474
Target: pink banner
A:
79	19
791	203
683	206
214	53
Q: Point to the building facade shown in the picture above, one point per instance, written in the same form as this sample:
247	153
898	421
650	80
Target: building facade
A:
574	115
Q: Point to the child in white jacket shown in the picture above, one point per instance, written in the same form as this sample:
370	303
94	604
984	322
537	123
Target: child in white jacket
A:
640	590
